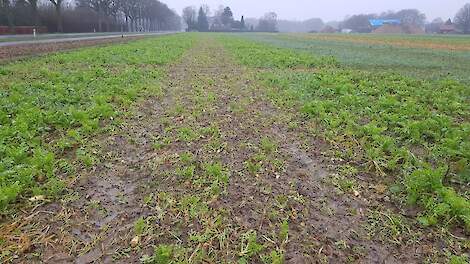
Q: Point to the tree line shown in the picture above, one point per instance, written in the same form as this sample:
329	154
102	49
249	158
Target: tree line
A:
360	23
89	15
408	17
223	20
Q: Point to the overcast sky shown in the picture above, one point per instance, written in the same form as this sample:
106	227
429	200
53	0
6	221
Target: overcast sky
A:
325	9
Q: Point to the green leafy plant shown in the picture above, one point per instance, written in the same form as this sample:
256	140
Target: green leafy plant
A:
163	254
389	123
53	104
140	226
249	246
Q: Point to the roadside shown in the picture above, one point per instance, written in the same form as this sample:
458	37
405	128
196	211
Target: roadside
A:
20	49
14	40
28	37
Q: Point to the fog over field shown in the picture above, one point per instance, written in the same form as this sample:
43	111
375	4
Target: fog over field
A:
328	10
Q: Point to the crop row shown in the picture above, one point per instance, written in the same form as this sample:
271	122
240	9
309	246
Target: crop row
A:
418	62
416	131
50	106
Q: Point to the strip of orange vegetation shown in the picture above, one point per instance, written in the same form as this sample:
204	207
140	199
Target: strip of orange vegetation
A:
391	42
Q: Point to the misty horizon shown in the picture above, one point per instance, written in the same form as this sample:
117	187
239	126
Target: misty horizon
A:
334	10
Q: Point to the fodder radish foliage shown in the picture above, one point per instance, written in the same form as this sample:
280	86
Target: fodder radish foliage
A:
423	57
413	130
51	105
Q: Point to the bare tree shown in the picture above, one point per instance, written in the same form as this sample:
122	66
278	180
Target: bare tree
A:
130	8
148	15
190	17
101	7
7	12
206	9
268	23
58	10
34	10
125	7
411	17
158	15
113	14
86	15
462	19
358	23
435	26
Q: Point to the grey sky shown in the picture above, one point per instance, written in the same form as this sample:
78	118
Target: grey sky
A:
327	10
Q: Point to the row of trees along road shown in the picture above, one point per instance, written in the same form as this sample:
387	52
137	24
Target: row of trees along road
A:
89	15
223	20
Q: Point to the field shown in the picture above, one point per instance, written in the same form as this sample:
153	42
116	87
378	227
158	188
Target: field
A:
239	148
423	57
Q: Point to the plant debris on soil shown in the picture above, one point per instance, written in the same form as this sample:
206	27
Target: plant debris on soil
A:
211	165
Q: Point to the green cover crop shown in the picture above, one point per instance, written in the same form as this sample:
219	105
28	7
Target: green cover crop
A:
416	131
49	106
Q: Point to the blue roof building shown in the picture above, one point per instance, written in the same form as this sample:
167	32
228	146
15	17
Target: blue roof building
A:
381	22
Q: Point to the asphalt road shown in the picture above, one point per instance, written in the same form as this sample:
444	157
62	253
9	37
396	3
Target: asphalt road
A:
15	40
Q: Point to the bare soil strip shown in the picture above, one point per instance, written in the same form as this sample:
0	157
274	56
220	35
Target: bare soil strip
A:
212	173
